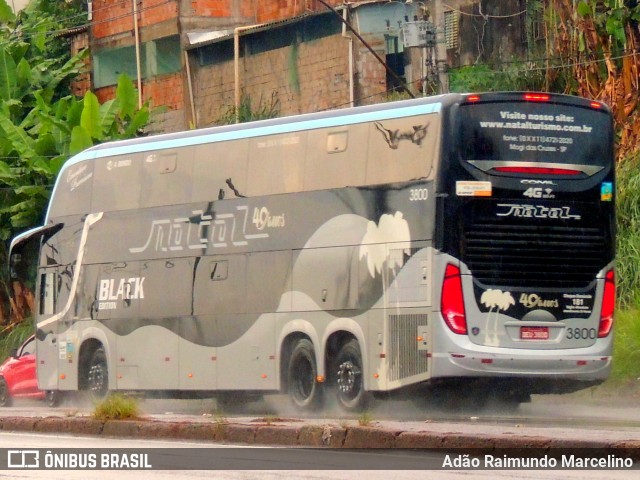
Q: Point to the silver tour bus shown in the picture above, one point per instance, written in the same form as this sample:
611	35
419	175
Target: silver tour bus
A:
462	239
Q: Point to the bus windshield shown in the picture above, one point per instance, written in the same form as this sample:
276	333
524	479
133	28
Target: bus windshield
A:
534	132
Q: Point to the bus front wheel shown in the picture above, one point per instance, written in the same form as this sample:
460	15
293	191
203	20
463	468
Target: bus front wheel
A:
304	391
98	376
349	378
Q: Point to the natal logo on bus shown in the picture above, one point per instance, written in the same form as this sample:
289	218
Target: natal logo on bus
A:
111	290
536	211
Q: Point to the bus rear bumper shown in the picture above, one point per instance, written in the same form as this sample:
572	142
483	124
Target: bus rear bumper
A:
553	372
553	364
458	356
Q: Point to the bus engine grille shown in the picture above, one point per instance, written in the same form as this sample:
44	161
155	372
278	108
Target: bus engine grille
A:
500	253
404	358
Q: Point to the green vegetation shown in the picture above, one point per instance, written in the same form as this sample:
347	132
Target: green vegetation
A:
42	123
248	112
628	221
117	407
14	338
395	96
512	76
365	419
588	49
626	355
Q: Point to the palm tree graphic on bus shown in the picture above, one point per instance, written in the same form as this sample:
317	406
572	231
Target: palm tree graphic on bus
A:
500	301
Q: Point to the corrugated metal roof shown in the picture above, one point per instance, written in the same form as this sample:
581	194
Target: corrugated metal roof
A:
197	39
72	31
201	39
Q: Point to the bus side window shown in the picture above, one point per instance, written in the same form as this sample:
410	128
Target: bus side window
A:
336	157
117	182
215	163
276	163
48	293
73	191
220	286
401	149
166	177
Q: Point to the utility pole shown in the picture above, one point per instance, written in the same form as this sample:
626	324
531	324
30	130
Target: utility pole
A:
373	52
441	50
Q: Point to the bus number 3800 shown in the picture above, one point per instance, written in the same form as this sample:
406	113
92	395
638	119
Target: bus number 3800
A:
581	333
418	194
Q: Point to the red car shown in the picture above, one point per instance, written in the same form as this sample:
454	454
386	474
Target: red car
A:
18	377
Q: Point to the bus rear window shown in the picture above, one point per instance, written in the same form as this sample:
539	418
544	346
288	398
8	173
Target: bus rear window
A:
544	133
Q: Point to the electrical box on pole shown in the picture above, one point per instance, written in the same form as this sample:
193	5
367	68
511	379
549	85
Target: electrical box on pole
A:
421	33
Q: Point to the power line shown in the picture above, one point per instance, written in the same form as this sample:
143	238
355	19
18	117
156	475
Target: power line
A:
545	59
484	15
26	34
83	13
581	63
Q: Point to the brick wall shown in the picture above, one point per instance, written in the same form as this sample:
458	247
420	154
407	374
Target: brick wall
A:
164	90
258	10
270	10
105	93
371	85
82	82
213	8
316	79
156	11
113	18
321	81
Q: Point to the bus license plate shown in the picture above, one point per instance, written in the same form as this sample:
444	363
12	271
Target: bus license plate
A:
534	333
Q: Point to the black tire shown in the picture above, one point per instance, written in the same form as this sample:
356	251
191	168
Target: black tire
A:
5	397
53	398
349	378
304	391
97	381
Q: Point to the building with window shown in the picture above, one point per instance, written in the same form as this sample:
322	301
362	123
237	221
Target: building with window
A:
204	60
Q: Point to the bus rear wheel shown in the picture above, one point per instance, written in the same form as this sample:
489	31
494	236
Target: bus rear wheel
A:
304	391
349	378
98	376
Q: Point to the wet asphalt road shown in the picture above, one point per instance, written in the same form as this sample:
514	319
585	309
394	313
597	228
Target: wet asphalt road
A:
577	416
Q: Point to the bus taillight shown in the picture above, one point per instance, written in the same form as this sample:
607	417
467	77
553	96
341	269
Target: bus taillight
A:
536	97
537	170
452	302
608	304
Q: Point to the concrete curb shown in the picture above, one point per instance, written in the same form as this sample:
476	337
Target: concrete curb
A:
266	433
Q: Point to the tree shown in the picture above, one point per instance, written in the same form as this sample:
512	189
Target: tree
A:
598	40
41	123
